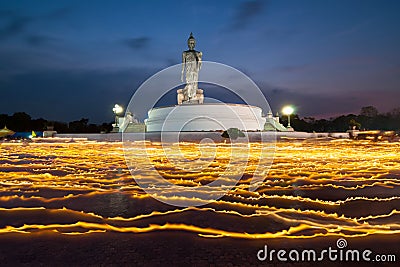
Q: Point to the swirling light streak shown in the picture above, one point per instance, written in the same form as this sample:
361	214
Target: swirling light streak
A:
306	190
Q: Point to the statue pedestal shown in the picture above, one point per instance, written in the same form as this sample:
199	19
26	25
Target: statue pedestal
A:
182	99
191	101
205	117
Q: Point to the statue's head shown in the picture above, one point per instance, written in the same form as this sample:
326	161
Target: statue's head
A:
191	42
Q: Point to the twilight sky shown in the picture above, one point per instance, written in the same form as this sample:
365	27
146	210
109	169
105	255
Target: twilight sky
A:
64	60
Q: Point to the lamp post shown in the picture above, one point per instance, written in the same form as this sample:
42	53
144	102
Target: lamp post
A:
288	110
117	110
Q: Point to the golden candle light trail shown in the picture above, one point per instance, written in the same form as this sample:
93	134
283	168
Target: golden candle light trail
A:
313	188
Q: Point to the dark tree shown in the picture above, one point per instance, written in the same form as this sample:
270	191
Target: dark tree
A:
395	113
3	120
354	124
39	124
78	126
369	111
60	127
106	127
20	122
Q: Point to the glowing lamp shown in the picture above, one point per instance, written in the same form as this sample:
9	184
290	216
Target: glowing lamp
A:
288	110
117	109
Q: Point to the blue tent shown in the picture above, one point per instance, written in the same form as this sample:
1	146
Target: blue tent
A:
26	134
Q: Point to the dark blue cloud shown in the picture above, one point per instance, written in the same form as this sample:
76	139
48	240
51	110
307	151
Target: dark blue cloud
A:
17	22
245	12
137	43
14	26
40	40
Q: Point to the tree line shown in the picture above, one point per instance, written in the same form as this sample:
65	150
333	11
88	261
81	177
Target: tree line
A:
369	118
22	122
